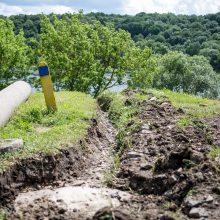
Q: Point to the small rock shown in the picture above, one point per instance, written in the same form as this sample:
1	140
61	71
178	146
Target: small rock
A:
209	198
153	98
199	200
10	145
217	159
61	211
198	213
146	132
145	127
60	200
190	202
181	110
180	170
199	176
37	186
173	179
216	203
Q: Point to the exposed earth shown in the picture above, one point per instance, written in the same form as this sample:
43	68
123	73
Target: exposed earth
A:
165	172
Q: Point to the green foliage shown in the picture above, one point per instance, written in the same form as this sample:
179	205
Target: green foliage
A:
143	68
190	34
44	132
3	215
182	73
184	122
85	57
214	152
91	53
13	54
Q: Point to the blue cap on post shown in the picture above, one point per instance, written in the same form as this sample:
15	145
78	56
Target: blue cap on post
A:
43	71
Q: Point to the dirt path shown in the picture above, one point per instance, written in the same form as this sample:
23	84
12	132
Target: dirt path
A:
81	197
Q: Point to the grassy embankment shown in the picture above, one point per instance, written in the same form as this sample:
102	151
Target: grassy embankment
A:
45	132
122	114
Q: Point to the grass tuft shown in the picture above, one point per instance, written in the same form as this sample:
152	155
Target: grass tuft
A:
214	152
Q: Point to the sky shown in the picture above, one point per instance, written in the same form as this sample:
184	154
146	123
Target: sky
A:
198	7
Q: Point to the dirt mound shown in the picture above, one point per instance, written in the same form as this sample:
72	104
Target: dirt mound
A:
167	163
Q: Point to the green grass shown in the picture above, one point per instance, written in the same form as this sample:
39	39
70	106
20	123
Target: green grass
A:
184	121
45	132
214	152
124	118
193	105
3	215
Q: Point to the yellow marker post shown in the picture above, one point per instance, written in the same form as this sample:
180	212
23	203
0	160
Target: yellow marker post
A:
47	86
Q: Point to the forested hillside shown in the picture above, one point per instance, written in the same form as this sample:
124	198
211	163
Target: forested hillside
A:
193	35
93	52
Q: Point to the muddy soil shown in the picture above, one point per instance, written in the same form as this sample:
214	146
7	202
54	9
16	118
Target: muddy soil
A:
167	173
78	191
169	166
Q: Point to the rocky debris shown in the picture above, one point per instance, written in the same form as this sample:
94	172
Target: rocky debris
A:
83	194
152	184
133	154
197	156
197	200
42	209
10	145
83	201
198	213
174	160
169	162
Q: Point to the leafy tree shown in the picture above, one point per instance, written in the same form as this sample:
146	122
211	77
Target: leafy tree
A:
84	57
180	72
13	51
213	55
166	30
143	68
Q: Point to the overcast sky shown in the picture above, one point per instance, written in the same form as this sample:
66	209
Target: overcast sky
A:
10	7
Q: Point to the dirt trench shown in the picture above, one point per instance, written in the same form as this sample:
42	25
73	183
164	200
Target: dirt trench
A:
70	185
165	175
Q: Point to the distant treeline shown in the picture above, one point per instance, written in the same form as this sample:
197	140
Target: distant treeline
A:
93	52
193	35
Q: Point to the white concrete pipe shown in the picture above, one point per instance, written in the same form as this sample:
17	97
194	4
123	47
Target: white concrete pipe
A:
11	97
